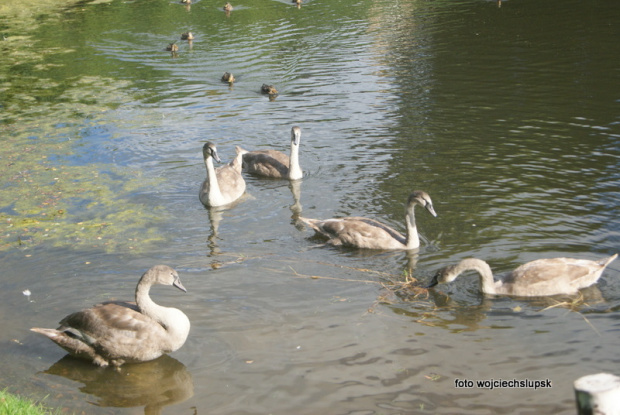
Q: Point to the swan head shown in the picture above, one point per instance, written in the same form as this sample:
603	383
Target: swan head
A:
209	150
421	198
443	276
295	136
163	275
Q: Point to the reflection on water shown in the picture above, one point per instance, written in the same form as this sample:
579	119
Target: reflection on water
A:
154	385
296	207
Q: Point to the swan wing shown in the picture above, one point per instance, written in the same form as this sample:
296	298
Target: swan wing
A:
111	320
360	233
267	163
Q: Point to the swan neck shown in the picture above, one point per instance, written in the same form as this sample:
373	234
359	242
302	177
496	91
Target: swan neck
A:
487	282
294	169
147	306
214	186
413	239
173	320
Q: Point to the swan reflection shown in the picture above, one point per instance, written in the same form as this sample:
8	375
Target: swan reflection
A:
154	385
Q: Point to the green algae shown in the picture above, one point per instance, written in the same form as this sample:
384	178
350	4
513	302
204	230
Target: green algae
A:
47	200
52	195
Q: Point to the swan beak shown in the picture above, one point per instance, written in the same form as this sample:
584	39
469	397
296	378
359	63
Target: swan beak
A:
434	282
216	157
177	283
431	210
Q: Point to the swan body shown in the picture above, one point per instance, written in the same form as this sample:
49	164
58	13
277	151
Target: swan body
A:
275	164
117	332
225	184
541	277
359	232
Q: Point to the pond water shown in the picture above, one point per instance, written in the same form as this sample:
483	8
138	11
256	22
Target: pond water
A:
507	114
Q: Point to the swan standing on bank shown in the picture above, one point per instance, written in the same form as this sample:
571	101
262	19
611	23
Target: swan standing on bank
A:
537	278
223	185
275	164
359	232
117	332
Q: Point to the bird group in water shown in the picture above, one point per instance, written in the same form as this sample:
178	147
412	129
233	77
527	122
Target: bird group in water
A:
117	332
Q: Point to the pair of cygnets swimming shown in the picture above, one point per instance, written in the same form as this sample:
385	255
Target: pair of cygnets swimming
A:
116	332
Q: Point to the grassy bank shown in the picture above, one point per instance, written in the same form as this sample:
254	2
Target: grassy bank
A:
15	405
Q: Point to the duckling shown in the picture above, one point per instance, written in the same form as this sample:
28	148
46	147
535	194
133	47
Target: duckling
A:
187	36
228	77
269	89
173	47
186	1
228	7
548	276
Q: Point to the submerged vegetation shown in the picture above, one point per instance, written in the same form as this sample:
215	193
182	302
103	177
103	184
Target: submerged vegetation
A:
50	196
52	193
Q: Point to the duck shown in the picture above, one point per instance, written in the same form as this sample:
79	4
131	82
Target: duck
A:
228	7
298	2
118	332
275	164
364	233
268	89
186	1
187	36
228	77
225	184
542	277
173	47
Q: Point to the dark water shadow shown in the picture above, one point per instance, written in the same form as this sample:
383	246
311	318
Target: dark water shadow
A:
154	385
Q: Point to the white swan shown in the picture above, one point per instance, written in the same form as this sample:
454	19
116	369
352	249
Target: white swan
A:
117	332
275	164
367	233
223	185
537	278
